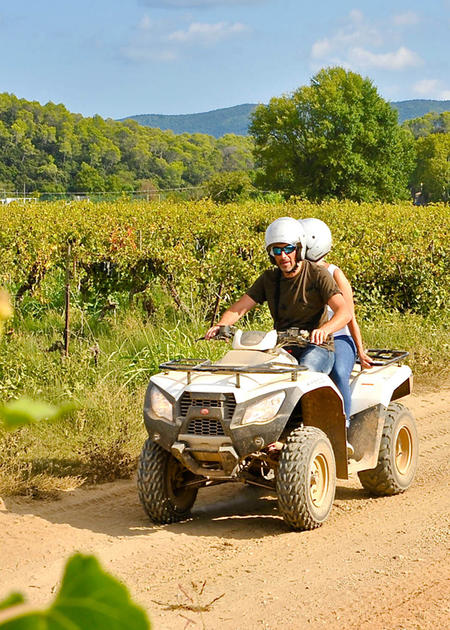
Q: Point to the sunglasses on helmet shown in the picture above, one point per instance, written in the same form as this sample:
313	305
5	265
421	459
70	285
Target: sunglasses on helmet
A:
287	249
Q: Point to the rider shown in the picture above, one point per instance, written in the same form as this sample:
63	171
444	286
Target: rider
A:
298	292
347	340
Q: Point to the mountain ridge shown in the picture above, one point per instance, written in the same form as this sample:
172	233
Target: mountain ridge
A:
235	119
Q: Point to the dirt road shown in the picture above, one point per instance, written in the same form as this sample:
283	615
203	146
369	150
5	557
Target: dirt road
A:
376	563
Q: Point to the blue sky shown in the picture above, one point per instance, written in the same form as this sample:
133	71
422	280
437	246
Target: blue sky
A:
122	57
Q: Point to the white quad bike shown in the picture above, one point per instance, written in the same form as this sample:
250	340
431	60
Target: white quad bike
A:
212	422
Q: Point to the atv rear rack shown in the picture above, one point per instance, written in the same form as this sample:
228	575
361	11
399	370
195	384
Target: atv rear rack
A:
385	357
205	365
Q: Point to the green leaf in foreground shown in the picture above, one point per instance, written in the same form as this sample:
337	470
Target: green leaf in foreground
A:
89	599
24	411
12	600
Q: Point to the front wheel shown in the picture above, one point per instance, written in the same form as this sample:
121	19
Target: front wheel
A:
163	485
306	478
398	456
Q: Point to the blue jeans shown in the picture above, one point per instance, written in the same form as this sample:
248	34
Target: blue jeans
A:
345	356
313	357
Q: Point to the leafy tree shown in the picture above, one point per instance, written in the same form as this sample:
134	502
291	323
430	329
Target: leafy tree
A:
430	123
432	173
88	179
336	138
229	187
236	152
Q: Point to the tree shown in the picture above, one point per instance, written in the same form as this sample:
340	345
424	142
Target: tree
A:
336	138
229	186
88	179
432	174
430	123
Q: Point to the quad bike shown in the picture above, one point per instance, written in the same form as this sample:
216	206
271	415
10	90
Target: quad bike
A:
215	422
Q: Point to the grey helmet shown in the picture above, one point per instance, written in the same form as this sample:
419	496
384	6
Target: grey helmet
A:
318	238
286	230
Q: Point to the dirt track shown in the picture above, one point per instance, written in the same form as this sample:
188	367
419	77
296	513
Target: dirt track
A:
376	563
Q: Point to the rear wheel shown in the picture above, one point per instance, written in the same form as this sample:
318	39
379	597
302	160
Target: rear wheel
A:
162	485
306	478
398	456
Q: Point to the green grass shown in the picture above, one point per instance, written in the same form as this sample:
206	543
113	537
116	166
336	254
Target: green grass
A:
111	360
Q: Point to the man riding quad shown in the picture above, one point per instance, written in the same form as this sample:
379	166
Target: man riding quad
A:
297	292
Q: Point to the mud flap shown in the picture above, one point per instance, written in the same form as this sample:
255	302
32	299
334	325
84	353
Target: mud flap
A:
364	434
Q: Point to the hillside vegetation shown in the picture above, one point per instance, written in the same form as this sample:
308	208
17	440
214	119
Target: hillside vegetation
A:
46	148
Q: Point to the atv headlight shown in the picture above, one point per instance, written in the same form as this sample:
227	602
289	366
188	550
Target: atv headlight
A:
263	410
161	406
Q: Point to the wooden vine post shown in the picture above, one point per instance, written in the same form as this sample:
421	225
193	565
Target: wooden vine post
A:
67	301
217	304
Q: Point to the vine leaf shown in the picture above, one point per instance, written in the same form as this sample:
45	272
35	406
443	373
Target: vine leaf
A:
12	600
24	411
89	599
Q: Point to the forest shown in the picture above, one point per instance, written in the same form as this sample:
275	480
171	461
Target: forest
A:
334	139
46	148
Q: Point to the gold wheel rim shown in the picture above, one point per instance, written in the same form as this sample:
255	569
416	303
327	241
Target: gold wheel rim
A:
319	480
403	450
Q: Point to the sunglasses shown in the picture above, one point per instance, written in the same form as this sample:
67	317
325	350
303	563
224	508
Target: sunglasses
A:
287	249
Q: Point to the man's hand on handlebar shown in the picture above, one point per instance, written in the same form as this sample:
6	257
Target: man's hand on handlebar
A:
212	332
220	332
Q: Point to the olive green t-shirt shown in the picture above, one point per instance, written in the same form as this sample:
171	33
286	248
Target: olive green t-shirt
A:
302	299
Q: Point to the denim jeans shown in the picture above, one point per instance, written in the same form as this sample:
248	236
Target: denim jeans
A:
345	355
313	357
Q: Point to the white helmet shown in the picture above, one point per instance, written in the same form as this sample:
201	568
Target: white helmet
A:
286	230
318	238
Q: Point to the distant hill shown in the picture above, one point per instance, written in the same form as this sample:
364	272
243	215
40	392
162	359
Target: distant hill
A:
236	119
418	108
215	123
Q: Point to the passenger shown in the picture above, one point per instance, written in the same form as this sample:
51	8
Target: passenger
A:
298	292
347	340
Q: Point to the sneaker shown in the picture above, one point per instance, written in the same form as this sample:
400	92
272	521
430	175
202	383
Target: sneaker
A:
350	450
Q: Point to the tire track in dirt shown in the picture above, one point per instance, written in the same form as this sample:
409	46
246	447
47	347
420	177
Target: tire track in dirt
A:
376	563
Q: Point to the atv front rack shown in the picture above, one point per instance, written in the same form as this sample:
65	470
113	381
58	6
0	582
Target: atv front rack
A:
205	365
385	357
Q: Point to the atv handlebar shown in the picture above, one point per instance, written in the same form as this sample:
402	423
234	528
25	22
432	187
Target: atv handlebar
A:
293	335
225	333
284	337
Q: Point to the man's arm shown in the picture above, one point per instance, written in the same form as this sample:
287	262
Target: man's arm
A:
231	315
340	318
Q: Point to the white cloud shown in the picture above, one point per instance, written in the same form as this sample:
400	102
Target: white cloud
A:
406	19
357	45
397	60
147	44
157	41
431	88
206	34
321	48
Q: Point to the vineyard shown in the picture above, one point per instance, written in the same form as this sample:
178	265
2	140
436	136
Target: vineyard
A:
395	256
139	282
